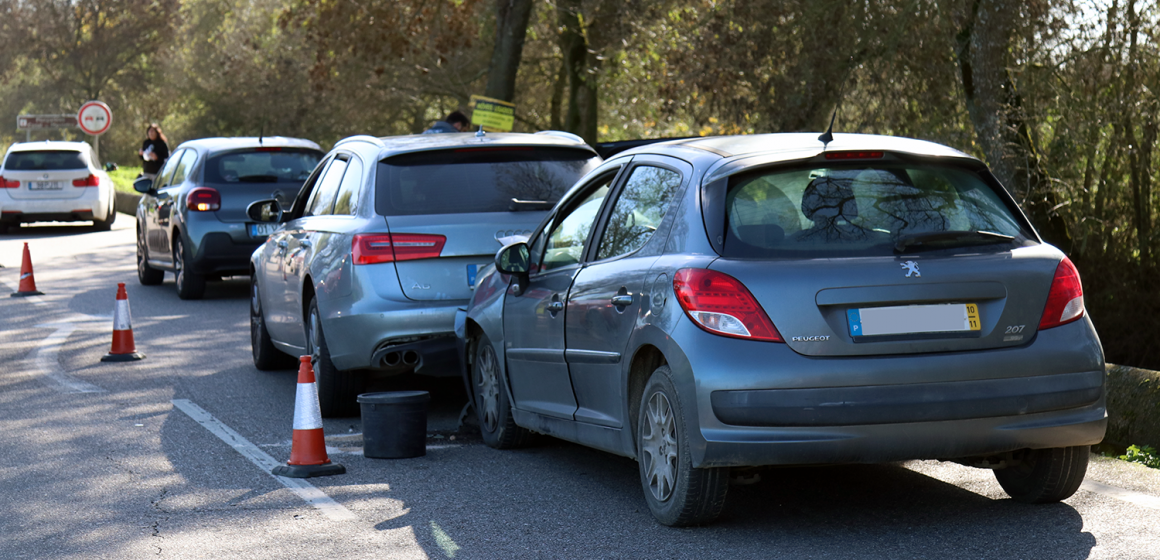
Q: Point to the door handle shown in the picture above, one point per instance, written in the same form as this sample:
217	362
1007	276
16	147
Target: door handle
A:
555	307
622	300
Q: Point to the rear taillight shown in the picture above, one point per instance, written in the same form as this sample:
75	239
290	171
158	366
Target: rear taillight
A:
722	305
1065	300
203	199
7	184
90	181
372	248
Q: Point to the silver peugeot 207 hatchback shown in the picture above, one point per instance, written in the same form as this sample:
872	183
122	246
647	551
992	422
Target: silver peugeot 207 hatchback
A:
777	300
366	269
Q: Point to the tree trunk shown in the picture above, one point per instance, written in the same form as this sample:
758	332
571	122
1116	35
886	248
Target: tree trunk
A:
511	28
995	111
582	68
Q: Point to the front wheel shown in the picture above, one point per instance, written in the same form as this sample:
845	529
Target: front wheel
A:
677	494
266	356
492	407
1042	476
189	284
337	390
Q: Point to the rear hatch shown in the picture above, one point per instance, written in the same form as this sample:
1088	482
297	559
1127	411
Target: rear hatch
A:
243	176
473	198
885	256
46	174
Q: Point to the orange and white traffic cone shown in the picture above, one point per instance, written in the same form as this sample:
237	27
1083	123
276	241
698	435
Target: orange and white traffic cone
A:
308	446
123	348
27	282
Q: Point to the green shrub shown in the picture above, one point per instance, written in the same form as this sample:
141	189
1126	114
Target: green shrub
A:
123	178
1146	456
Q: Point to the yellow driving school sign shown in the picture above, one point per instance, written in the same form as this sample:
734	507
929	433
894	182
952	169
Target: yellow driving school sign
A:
493	114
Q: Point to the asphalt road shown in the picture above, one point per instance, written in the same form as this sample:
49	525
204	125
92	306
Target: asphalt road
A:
97	460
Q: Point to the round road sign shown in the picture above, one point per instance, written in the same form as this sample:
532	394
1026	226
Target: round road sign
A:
94	118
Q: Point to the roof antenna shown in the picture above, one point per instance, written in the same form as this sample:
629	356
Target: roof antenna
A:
828	135
480	133
262	133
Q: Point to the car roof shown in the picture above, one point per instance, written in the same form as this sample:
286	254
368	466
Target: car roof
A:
48	145
220	144
394	145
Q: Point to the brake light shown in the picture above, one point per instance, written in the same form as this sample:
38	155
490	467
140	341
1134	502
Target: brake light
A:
203	199
374	248
90	181
1065	300
855	154
6	184
722	305
267	149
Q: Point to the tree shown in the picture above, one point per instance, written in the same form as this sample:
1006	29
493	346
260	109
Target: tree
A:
511	28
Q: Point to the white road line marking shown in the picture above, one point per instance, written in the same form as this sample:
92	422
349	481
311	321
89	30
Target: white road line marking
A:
1138	498
47	362
308	492
34	299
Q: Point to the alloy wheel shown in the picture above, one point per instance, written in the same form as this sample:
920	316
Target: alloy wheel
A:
659	441
487	387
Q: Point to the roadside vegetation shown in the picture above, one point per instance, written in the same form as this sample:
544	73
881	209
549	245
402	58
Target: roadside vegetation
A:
1060	97
1146	455
123	178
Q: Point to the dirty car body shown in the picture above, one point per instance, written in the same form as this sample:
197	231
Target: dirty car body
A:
706	304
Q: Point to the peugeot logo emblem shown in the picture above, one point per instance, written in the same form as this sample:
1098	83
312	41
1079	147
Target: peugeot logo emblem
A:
46	175
911	269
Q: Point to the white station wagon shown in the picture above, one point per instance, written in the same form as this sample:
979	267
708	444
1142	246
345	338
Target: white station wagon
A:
54	182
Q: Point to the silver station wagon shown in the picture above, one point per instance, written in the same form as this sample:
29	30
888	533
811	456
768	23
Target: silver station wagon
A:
366	269
713	303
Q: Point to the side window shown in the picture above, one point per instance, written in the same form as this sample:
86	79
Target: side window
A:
536	248
565	244
638	211
322	199
184	166
348	191
166	173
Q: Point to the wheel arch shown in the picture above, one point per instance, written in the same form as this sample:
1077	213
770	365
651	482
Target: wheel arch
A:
645	361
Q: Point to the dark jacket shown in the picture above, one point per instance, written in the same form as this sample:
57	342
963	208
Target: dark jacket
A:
440	127
159	148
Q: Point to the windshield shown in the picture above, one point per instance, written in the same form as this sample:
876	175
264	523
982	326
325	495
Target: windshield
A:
262	165
478	180
863	210
45	160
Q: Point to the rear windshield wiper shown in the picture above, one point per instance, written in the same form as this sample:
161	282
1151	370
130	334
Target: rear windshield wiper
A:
938	239
518	205
258	179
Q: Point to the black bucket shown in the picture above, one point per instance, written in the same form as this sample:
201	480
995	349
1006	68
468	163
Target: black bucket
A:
394	424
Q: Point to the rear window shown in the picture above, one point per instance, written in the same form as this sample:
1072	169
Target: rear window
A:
863	210
262	165
478	180
45	160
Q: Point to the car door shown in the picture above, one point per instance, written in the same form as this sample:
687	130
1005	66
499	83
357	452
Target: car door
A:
605	301
158	211
294	244
534	314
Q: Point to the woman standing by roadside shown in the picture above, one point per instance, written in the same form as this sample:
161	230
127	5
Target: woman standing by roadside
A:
154	151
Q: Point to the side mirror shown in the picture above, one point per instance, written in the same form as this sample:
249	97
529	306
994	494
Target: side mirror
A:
266	211
144	185
513	259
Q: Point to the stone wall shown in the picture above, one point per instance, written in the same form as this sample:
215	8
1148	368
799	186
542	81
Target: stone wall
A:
126	203
1133	406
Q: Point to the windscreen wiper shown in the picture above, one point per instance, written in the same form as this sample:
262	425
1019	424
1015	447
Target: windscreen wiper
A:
518	205
258	179
942	239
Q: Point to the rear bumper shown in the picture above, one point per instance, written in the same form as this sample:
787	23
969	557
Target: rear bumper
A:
79	209
364	337
218	253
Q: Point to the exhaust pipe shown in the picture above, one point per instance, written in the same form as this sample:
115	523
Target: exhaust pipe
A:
391	359
410	357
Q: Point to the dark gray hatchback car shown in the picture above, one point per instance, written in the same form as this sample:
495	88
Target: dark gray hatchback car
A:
727	302
192	221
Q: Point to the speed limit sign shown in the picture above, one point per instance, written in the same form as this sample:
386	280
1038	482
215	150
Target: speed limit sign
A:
94	118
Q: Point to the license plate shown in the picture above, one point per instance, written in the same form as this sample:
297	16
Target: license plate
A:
913	319
472	272
45	185
262	230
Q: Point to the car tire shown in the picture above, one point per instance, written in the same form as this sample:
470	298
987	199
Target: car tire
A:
1042	476
266	356
677	494
189	285
107	223
490	400
338	391
146	275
